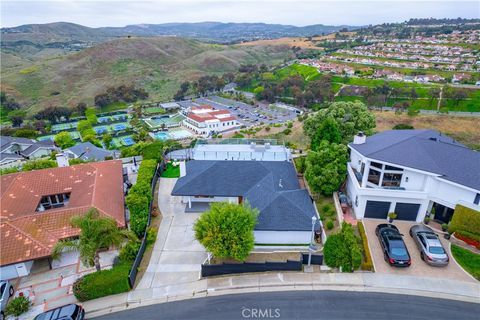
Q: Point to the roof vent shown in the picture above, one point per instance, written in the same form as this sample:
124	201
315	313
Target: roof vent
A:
280	183
359	138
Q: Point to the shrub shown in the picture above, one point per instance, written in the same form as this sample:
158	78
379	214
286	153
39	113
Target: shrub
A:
287	131
17	306
103	283
330	225
402	126
151	236
465	219
342	250
367	263
226	230
326	208
468	237
129	251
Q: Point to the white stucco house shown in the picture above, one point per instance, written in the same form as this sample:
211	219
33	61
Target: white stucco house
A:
411	172
204	120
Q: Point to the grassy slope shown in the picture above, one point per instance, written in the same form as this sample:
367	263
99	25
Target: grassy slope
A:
157	64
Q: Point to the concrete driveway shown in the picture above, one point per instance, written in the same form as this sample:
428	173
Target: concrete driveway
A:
418	268
176	256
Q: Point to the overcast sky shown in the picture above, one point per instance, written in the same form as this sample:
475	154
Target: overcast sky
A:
300	13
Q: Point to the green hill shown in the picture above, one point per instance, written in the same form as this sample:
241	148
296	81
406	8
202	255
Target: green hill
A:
158	64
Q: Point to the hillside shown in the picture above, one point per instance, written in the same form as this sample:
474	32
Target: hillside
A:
158	64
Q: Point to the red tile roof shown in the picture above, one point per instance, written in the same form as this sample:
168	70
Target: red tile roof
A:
26	234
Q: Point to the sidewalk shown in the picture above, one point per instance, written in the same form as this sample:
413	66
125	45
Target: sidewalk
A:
283	281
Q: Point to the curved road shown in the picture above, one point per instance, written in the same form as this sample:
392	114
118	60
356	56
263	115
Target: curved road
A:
305	305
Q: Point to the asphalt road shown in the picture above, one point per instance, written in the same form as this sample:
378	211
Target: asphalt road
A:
305	305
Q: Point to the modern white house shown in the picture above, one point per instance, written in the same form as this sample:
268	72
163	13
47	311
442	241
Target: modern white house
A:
411	173
14	151
204	120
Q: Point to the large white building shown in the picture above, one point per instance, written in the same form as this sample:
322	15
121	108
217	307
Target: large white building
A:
411	172
205	120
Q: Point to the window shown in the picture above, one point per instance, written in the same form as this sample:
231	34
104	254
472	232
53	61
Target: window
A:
53	201
477	199
391	180
374	176
392	168
376	165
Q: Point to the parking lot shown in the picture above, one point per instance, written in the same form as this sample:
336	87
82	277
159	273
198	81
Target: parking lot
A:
418	267
248	114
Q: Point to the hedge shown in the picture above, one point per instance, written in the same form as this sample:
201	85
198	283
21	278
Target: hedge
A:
139	197
103	283
367	264
465	223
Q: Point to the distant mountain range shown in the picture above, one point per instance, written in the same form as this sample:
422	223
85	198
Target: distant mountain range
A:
65	32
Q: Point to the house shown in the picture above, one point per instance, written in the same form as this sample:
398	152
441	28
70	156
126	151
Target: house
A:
204	120
15	150
272	187
411	172
37	207
89	152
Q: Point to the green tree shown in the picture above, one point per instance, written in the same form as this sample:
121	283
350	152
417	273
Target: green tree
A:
343	250
83	125
328	130
90	114
351	117
226	230
326	168
96	232
107	140
64	140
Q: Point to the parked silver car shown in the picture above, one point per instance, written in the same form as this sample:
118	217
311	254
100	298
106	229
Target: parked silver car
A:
6	291
430	246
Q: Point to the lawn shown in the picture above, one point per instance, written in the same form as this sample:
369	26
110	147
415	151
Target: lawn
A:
171	171
114	107
307	72
468	260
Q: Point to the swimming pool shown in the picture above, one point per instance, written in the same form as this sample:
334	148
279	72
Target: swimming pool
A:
173	135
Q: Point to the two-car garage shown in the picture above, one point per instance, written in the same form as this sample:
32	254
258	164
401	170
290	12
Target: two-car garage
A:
380	210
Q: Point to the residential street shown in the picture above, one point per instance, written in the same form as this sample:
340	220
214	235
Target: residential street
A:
176	256
306	305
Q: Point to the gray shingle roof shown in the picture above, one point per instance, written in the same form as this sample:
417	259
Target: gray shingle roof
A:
4	156
426	150
6	141
37	145
270	186
88	151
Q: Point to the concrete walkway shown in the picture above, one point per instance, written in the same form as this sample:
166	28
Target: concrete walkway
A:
363	282
176	256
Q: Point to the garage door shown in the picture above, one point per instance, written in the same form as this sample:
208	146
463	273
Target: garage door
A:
377	209
407	211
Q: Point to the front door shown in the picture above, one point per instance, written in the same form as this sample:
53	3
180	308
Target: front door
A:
443	214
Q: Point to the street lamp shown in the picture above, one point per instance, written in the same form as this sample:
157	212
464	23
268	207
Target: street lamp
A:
312	247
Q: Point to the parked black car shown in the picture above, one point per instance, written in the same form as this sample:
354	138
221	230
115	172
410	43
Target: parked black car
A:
67	312
394	250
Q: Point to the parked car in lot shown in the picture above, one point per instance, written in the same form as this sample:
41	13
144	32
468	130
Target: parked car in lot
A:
395	252
6	291
66	312
430	246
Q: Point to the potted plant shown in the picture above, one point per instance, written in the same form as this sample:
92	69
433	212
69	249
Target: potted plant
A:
427	220
444	227
391	216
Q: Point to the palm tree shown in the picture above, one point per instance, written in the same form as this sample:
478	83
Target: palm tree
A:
96	232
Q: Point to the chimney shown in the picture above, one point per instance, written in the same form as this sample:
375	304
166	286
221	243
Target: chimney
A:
183	169
359	138
62	160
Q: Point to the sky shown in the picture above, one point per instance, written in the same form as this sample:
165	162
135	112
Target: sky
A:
117	13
